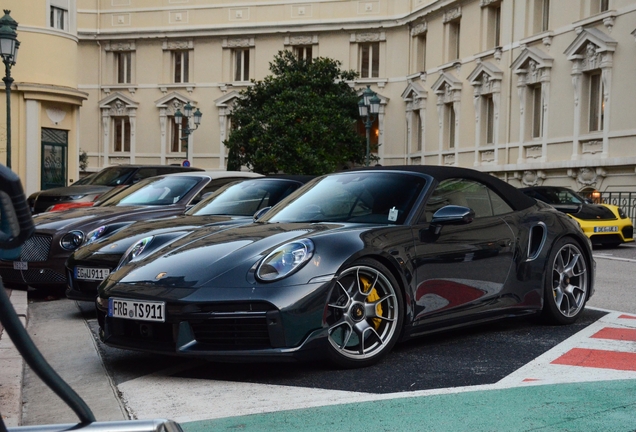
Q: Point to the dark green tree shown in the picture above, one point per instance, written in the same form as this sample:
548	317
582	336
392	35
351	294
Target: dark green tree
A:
299	120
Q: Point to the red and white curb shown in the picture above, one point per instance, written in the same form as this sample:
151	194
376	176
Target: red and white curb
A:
605	350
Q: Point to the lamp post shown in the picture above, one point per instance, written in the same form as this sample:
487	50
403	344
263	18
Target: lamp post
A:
368	107
9	45
187	130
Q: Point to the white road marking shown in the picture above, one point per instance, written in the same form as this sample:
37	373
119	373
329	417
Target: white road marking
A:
187	399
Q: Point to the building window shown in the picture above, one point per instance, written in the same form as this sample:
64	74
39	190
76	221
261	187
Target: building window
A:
421	53
416	131
449	126
493	25
58	18
541	16
596	105
124	67
121	137
453	39
600	6
177	145
242	64
537	111
488	123
303	52
181	63
370	60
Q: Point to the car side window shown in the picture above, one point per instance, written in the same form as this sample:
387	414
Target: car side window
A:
213	186
143	173
467	193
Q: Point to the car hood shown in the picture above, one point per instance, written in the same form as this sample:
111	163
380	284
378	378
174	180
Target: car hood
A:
74	190
591	212
224	256
120	241
77	218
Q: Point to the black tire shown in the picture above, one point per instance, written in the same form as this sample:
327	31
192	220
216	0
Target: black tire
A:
567	283
364	313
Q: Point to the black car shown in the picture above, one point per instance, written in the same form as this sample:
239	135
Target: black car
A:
349	265
233	204
39	262
604	224
86	191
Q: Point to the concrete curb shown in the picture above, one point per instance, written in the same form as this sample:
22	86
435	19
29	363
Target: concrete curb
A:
12	369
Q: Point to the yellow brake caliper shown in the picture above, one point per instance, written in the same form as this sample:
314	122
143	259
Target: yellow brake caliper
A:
372	297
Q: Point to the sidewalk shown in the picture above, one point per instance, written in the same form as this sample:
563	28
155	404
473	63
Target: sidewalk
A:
12	366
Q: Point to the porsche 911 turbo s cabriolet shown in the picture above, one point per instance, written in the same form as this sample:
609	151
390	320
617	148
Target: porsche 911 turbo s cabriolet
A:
348	266
106	245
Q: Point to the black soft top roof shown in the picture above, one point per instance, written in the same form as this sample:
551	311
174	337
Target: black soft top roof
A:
512	195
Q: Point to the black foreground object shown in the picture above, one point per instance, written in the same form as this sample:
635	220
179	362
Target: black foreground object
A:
16	225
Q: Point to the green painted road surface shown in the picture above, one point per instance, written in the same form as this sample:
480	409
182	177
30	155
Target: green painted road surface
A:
590	406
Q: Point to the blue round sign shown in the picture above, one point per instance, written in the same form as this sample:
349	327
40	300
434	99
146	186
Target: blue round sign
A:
186	163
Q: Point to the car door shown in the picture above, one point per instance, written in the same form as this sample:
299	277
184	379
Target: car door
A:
461	267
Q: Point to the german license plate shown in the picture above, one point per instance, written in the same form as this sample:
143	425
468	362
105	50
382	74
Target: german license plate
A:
605	229
88	273
137	309
20	265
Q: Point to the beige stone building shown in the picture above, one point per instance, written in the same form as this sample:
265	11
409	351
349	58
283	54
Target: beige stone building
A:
532	91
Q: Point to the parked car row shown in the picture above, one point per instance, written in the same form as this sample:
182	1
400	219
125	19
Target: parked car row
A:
341	266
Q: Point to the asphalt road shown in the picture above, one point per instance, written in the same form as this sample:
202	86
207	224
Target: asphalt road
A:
480	355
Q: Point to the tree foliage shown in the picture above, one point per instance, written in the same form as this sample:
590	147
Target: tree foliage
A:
300	120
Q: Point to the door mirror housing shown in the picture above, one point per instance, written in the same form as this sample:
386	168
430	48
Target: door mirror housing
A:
453	215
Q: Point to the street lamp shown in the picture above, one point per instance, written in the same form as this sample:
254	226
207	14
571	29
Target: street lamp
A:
9	45
187	130
369	107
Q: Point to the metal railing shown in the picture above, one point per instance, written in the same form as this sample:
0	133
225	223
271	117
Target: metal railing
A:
624	200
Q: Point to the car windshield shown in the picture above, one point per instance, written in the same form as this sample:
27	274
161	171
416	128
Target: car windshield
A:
244	198
113	176
85	180
364	197
154	191
556	196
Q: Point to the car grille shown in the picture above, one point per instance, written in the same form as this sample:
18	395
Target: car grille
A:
237	332
33	277
36	248
628	232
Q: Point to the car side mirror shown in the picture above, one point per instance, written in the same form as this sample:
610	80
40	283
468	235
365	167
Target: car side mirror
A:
453	215
259	213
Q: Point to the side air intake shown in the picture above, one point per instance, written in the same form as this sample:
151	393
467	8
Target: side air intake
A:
536	240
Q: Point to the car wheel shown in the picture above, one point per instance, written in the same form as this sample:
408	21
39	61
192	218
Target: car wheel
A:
364	314
566	284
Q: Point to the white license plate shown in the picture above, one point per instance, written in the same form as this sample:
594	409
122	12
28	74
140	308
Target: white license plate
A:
137	309
88	273
20	265
605	229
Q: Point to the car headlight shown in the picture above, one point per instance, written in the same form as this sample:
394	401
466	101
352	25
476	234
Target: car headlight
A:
72	240
621	213
74	197
95	234
285	260
135	250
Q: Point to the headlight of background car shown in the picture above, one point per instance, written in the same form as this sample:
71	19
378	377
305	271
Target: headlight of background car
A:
95	234
135	250
72	240
285	260
73	197
621	213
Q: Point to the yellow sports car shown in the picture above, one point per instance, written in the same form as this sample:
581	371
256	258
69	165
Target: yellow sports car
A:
604	224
